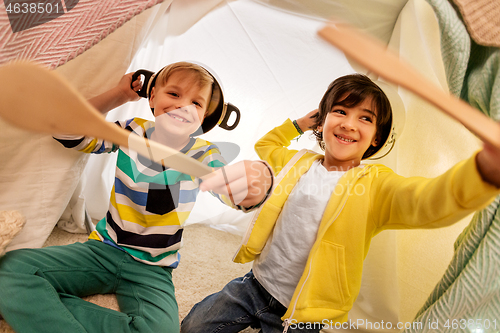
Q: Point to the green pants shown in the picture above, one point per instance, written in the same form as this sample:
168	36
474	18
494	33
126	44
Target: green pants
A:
41	290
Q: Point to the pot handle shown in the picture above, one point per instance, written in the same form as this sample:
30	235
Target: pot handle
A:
230	108
143	92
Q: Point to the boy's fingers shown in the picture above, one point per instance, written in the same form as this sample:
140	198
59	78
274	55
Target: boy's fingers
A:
245	183
212	180
246	192
228	188
239	190
235	171
230	182
137	84
218	178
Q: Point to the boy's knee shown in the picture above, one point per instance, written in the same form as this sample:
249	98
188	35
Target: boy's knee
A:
9	261
193	322
188	324
191	327
168	325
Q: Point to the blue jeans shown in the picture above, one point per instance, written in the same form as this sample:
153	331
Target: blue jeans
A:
243	302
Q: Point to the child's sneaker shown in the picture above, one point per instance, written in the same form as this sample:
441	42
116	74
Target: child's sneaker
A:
11	222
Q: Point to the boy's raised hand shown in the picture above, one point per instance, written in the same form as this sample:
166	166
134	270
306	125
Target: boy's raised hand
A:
488	164
308	122
245	183
128	88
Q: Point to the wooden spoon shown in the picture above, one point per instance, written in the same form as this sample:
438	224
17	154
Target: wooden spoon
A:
373	55
39	100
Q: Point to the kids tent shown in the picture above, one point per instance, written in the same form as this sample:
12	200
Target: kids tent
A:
272	66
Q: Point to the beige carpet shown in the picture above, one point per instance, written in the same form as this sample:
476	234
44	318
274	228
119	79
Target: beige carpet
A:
205	267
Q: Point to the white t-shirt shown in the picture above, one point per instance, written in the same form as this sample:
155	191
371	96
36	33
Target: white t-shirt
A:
283	259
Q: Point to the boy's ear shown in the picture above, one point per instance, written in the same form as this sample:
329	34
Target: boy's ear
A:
319	128
151	98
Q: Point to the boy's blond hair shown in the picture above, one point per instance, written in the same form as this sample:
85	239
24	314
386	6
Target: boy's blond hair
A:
203	77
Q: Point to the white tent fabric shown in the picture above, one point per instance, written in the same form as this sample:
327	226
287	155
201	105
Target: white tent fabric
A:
273	66
38	176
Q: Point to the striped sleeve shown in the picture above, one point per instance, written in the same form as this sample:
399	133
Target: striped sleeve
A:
211	156
97	146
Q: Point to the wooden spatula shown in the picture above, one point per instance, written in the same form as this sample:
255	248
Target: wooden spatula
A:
39	100
374	56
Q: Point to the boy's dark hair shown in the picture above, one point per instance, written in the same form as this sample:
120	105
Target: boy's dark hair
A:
349	91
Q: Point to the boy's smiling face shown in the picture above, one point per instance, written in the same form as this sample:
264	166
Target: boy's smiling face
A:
180	104
348	133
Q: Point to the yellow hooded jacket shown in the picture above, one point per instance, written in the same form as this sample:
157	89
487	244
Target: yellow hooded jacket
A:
366	200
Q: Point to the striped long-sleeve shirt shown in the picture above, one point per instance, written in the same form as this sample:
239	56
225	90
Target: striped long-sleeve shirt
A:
149	202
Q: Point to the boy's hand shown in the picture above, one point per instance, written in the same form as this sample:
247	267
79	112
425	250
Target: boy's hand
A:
308	122
128	88
245	183
488	163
